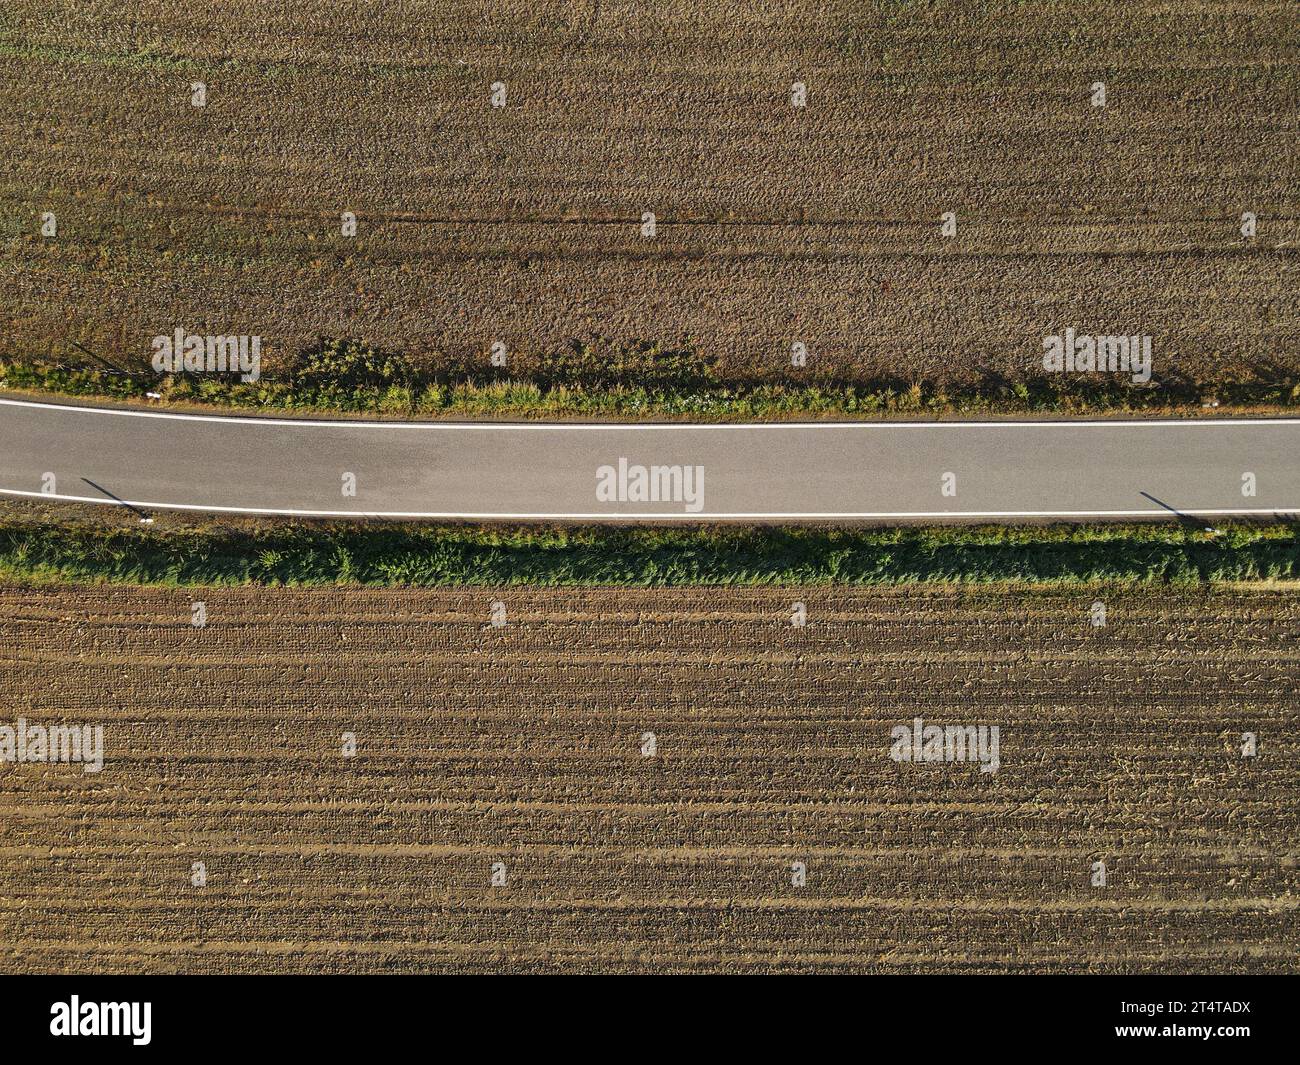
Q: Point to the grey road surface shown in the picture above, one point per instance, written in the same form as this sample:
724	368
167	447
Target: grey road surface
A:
877	471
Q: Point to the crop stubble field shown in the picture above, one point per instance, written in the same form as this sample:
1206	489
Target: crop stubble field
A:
521	224
523	745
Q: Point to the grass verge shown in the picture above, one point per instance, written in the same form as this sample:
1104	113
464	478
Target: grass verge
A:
598	379
36	546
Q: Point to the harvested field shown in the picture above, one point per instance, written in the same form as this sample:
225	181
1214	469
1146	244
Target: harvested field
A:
523	744
776	224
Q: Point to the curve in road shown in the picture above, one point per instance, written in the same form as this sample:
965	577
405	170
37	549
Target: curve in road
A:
822	471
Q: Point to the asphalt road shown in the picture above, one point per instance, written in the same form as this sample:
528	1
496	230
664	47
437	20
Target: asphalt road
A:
876	471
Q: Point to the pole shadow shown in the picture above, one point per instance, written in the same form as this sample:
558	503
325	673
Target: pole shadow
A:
144	518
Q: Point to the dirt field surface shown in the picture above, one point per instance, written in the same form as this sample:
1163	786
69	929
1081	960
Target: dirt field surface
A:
522	223
526	745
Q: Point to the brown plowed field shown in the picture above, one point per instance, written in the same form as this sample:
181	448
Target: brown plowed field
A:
523	745
776	223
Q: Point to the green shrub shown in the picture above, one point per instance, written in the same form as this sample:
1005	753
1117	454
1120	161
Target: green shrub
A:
347	366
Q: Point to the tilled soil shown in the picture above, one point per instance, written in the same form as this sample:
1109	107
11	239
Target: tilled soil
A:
776	224
507	810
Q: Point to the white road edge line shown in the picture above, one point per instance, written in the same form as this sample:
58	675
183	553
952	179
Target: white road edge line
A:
614	516
344	423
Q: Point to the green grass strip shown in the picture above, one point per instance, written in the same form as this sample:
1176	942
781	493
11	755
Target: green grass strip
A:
653	385
38	547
